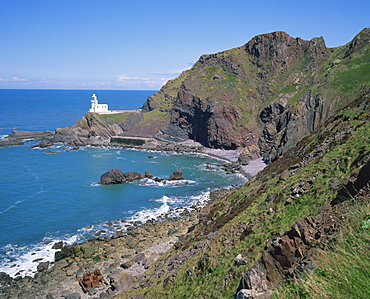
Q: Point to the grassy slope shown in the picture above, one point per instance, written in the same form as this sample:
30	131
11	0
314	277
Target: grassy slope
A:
241	224
343	268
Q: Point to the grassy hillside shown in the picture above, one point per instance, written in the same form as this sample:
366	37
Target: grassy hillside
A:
246	221
343	266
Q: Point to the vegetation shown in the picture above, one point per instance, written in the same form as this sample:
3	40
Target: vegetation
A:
237	85
343	268
116	118
242	224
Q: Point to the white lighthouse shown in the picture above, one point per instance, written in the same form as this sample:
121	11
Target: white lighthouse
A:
96	107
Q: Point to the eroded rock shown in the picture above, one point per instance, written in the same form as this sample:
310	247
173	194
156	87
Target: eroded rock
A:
116	176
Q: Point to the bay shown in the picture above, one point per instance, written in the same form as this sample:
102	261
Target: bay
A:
49	197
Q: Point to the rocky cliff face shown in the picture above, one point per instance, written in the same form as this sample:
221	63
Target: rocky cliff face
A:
262	97
268	93
91	130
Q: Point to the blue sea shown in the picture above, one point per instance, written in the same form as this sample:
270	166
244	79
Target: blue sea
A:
50	197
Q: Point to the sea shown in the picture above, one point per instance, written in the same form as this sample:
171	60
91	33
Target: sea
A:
55	197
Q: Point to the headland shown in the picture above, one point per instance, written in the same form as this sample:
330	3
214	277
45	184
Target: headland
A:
296	104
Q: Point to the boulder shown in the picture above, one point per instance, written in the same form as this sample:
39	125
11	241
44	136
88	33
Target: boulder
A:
240	260
58	245
253	294
116	176
177	175
120	280
44	143
249	154
42	266
113	176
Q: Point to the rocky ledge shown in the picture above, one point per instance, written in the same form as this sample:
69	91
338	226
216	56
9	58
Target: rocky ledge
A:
10	142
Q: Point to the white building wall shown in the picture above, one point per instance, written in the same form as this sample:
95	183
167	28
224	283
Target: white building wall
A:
96	107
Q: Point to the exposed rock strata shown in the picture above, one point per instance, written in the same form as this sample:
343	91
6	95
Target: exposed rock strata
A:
296	251
91	130
261	98
30	134
269	93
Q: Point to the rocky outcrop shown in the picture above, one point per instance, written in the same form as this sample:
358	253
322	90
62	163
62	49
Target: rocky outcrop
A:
177	175
30	134
44	143
296	251
268	94
10	142
218	101
116	176
91	130
285	126
15	137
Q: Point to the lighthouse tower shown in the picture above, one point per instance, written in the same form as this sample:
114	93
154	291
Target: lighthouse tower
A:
96	107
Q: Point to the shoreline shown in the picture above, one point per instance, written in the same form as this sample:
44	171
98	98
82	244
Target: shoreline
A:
126	254
187	212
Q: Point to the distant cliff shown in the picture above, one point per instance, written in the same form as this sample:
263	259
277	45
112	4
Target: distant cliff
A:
262	97
269	93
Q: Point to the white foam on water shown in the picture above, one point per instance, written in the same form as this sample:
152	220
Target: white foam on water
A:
150	214
23	260
166	183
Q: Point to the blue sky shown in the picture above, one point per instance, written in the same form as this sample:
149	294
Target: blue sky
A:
119	44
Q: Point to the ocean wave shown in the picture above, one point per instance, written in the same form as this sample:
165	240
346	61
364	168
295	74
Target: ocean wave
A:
166	183
23	260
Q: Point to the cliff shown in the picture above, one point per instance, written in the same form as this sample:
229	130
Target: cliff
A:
262	97
306	109
269	93
276	227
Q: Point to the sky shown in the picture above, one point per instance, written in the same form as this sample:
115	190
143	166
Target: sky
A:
141	44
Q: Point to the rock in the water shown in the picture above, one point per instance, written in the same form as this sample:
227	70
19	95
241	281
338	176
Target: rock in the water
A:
30	134
116	176
177	175
58	245
44	143
10	142
113	176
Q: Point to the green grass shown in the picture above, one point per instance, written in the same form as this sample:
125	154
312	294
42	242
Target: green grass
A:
116	118
153	116
344	270
214	267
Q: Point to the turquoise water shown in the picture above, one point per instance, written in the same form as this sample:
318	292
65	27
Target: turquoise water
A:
48	197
